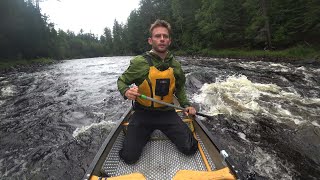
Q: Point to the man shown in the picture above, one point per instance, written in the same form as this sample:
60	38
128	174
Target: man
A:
158	75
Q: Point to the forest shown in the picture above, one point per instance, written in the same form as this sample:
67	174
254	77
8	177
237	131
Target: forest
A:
198	26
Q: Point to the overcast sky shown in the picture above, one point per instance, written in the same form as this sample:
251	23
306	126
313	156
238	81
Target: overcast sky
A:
90	15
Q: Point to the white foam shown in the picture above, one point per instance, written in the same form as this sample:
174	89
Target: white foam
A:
8	91
315	123
2	102
267	165
280	66
314	100
298	121
4	82
18	163
84	129
242	136
235	94
283	112
302	68
239	96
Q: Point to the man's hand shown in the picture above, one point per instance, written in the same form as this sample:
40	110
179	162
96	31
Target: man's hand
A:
132	93
190	110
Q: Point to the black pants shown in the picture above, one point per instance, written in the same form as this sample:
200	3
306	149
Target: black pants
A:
144	122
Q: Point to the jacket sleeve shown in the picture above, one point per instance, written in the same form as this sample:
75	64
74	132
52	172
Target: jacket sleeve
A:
134	74
180	87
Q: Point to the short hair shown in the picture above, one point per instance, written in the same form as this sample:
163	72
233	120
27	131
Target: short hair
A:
160	23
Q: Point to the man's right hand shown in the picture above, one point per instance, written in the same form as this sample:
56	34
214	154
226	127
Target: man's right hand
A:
132	93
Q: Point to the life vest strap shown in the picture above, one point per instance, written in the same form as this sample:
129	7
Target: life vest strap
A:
148	58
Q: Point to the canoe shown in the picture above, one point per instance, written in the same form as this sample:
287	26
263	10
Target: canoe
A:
160	158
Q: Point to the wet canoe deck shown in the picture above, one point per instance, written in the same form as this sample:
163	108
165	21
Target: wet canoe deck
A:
160	159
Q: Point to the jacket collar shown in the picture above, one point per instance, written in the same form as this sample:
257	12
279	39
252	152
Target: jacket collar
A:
168	57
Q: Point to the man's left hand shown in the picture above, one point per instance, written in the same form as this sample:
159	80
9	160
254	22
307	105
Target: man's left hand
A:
190	110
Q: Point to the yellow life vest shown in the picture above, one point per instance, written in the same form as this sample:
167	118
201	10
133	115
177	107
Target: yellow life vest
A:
159	85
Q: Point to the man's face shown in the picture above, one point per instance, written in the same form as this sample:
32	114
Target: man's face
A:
160	40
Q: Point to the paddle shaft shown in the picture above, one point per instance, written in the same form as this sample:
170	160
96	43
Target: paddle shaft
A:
171	105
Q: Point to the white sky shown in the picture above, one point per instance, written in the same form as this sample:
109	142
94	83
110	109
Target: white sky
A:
90	15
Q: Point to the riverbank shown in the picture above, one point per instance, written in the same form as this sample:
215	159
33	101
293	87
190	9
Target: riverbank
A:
23	65
295	55
292	55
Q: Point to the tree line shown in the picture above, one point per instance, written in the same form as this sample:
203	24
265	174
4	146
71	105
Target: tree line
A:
197	24
26	34
221	24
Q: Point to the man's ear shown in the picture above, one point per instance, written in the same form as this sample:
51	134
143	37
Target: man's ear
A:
150	40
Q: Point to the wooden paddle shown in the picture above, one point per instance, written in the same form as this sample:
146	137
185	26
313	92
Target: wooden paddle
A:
172	105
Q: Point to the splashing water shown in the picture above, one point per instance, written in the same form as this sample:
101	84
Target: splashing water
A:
239	96
268	114
85	129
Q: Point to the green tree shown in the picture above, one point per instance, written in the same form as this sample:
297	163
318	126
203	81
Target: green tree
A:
185	28
24	32
107	41
222	23
312	22
117	38
136	34
255	31
294	21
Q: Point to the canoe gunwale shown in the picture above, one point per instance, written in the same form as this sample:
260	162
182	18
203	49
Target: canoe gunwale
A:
227	160
102	150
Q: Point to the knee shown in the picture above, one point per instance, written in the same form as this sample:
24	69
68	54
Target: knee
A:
189	150
129	158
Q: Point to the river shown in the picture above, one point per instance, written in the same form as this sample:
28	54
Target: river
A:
267	115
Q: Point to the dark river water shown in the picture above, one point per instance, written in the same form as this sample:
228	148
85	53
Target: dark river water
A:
267	115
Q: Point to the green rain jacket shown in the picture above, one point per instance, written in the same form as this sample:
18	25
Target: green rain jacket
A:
138	71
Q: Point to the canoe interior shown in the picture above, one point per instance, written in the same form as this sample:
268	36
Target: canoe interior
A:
160	158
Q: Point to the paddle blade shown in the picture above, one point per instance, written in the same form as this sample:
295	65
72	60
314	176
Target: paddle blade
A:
204	115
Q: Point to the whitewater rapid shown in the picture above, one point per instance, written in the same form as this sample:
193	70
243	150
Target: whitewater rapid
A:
267	115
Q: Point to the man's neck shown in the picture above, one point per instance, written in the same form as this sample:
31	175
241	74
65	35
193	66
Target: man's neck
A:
161	55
